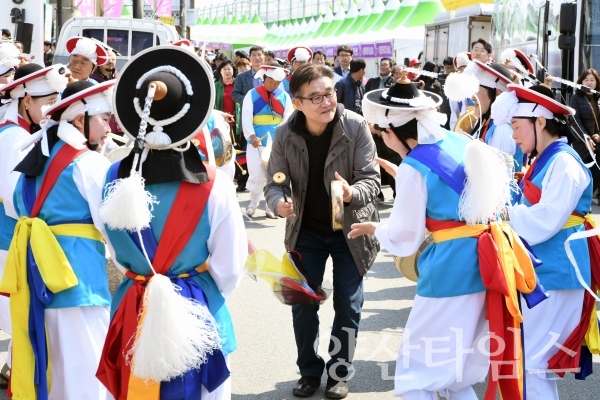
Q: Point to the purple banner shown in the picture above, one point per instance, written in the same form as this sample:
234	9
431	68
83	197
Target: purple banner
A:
384	49
87	8
280	53
113	8
356	49
330	51
319	48
226	46
163	9
367	50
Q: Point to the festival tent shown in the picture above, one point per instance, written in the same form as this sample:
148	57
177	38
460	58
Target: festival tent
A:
424	13
271	35
287	34
324	24
400	16
351	16
298	33
304	38
249	31
388	13
363	15
335	24
378	9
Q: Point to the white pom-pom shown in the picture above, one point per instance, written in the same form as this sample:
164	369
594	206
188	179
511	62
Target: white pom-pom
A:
301	54
504	108
175	334
508	55
57	77
127	204
9	55
86	47
488	186
157	139
461	86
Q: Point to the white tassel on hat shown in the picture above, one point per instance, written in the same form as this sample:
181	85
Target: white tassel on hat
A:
461	86
488	185
175	334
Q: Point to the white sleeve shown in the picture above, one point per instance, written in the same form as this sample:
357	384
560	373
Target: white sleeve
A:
562	188
227	242
502	139
89	174
9	158
248	115
404	231
289	108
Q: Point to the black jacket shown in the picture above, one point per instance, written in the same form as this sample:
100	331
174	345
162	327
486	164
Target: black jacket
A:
583	112
346	93
373	83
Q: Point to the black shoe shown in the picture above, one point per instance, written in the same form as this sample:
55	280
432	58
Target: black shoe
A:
380	197
306	386
241	189
336	389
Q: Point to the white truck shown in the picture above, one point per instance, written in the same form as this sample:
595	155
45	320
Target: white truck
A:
128	36
453	32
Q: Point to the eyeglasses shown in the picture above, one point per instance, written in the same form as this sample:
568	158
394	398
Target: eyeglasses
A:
319	99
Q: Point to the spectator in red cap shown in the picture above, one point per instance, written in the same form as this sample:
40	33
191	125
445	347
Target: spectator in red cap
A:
414	63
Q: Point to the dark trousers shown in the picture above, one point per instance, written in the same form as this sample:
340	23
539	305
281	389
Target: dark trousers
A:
241	145
315	248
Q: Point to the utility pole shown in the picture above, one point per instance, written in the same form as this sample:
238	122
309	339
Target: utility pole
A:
182	23
138	9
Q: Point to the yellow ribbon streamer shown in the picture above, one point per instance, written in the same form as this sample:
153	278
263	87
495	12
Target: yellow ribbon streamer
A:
57	274
512	255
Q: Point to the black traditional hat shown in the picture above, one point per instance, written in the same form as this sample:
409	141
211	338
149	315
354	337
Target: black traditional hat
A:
403	94
186	100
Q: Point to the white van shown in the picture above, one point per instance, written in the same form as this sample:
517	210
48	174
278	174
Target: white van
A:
128	36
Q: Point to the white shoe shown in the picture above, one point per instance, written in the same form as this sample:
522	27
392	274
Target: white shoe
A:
250	211
270	214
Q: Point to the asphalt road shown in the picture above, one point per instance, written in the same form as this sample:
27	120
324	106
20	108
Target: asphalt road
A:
264	366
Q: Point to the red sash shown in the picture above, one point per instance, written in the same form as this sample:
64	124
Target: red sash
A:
22	123
501	322
270	100
562	361
187	209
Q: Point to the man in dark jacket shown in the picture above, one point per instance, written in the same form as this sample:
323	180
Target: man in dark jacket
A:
385	79
350	90
321	142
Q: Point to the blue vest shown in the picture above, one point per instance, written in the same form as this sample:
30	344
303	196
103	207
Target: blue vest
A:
192	256
556	272
265	119
65	204
7	224
449	268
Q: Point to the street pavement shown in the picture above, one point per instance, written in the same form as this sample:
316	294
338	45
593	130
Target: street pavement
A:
264	366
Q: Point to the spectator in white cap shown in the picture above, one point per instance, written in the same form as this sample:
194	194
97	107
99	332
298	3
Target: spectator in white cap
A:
85	55
9	59
263	110
297	57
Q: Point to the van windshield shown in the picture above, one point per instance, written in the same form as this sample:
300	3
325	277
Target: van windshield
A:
118	39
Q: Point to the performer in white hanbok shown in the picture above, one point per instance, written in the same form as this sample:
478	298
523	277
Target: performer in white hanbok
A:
55	271
446	347
179	349
9	59
562	333
263	110
34	89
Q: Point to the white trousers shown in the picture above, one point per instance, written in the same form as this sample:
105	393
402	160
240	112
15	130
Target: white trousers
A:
257	176
546	327
76	336
444	348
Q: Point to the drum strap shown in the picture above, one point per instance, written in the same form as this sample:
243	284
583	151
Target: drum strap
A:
440	162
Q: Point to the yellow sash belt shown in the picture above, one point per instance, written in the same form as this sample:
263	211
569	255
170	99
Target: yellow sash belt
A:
57	274
266	120
512	255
